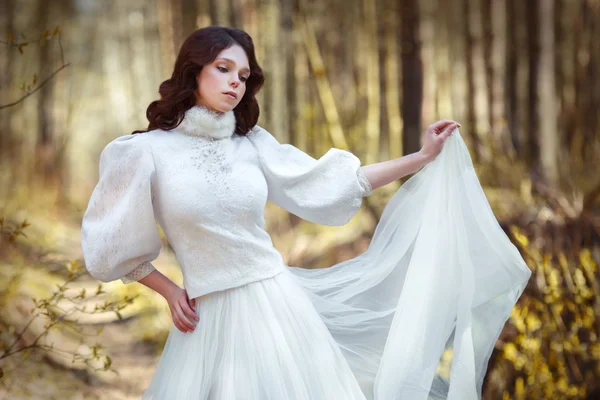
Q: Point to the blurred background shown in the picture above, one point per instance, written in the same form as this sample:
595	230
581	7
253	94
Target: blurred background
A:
522	77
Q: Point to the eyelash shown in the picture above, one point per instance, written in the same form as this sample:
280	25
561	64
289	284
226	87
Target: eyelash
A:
223	69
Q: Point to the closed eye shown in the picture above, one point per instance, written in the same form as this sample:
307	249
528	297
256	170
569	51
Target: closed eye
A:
223	69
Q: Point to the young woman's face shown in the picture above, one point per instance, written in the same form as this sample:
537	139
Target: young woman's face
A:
222	83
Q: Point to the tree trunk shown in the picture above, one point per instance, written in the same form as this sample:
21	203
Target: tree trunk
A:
547	92
360	81
44	146
488	66
189	14
587	62
167	36
455	31
471	116
594	45
288	87
177	24
511	100
444	60
499	28
412	75
532	154
221	12
236	16
427	30
392	81
302	106
203	17
479	89
7	151
323	85
494	52
568	57
373	133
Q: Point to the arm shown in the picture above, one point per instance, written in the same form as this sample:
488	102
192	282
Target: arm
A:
181	306
382	173
119	238
327	190
159	283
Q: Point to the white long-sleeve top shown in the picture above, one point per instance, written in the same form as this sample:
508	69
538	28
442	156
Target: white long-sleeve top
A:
207	187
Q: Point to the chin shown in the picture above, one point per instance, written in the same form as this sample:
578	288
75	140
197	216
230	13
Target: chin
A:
226	108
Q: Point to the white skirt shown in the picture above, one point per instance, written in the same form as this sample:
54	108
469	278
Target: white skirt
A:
415	317
263	340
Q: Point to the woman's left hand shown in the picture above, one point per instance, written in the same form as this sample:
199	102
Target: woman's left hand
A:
435	136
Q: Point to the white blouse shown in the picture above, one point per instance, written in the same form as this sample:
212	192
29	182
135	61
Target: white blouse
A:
207	187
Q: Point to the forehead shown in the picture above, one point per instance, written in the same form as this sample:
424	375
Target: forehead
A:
236	55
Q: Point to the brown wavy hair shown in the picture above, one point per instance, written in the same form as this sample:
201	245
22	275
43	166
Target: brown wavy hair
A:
177	93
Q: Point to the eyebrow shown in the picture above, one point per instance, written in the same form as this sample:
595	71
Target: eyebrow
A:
246	69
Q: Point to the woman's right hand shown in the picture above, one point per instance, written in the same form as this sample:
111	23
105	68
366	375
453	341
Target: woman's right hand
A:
182	309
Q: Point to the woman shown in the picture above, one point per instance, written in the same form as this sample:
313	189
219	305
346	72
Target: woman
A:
439	273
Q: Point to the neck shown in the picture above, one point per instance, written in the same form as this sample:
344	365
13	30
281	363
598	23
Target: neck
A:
207	108
201	121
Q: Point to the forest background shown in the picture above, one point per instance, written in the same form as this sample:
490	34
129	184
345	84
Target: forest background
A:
522	77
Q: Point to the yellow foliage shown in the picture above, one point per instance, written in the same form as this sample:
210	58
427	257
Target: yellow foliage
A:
519	236
556	328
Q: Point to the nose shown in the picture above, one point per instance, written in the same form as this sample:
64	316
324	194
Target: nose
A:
234	82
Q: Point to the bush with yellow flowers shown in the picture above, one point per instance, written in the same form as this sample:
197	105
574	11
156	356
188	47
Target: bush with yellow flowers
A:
553	351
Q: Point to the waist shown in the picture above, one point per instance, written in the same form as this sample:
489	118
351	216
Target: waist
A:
198	285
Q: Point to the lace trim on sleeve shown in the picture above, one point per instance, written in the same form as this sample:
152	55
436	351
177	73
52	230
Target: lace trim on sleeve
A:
139	272
364	182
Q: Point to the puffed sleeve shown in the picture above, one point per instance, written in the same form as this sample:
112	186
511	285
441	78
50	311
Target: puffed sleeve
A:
119	236
327	191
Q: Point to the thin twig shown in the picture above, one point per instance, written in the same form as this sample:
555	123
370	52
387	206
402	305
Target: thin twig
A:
13	44
36	89
19	336
62	56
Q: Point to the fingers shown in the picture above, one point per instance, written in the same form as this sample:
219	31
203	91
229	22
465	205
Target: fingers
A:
188	311
183	321
178	324
192	303
441	124
183	312
441	127
449	129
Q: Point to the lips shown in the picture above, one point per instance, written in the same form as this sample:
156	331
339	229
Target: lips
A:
231	94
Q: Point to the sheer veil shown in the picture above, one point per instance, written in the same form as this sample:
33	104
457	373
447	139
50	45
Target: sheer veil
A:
417	314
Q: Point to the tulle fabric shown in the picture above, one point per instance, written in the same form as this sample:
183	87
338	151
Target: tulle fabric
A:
417	314
414	317
260	341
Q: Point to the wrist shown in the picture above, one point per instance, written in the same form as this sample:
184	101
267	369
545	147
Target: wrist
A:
170	290
424	157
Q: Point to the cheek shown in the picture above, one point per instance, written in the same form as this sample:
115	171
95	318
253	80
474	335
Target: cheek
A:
208	81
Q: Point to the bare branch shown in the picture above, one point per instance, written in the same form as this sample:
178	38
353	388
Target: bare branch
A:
36	89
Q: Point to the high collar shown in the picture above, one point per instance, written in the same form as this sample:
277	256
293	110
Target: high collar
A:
200	121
